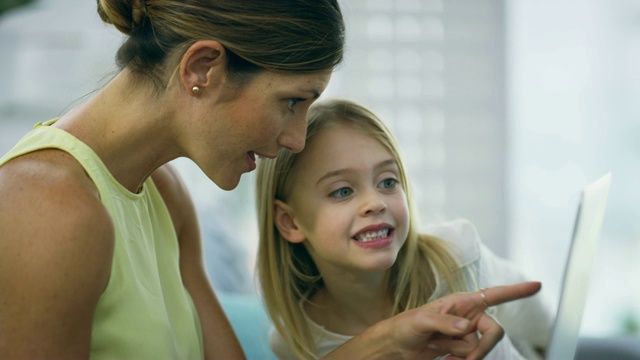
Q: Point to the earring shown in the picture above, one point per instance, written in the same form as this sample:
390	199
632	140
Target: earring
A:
196	90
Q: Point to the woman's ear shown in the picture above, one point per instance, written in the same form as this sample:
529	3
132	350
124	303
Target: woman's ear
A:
203	65
284	221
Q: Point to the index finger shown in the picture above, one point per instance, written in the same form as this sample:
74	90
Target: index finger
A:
505	293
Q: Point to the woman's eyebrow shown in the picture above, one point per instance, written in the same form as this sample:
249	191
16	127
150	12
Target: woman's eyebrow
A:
314	93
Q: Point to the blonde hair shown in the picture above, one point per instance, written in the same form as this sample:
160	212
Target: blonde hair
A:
278	35
286	271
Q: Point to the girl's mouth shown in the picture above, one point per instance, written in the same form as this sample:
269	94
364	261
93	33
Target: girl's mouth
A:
369	236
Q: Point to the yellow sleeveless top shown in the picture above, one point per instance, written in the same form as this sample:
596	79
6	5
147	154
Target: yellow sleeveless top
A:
145	311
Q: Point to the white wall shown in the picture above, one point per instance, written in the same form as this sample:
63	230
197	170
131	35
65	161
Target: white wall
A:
574	86
434	71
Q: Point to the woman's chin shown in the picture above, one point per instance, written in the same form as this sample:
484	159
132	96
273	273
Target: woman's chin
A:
227	183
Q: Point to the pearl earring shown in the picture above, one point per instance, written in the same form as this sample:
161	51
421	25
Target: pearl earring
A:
196	90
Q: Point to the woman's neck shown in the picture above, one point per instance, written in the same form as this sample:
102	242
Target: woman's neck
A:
127	128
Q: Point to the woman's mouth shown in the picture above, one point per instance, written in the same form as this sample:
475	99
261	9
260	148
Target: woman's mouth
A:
251	160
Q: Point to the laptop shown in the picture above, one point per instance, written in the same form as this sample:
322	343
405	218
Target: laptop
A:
586	234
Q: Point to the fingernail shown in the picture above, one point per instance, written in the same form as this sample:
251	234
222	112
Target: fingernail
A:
462	324
433	346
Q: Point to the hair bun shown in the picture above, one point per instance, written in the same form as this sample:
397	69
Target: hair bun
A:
138	11
125	15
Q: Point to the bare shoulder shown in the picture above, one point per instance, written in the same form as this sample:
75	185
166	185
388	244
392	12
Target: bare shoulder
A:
175	195
52	187
56	248
218	334
169	183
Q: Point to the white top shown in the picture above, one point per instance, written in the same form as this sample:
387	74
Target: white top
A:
527	322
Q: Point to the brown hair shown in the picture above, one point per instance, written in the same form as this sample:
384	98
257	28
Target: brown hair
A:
278	35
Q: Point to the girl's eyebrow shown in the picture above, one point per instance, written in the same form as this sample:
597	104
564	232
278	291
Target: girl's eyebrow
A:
330	174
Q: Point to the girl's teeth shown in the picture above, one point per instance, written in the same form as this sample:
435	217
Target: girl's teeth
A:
373	235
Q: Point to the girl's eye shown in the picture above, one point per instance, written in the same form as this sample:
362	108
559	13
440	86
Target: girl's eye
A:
293	102
341	193
389	183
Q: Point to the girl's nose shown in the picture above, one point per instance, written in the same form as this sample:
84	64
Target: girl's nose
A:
373	204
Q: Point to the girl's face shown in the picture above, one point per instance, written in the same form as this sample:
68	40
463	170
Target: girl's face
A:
348	202
258	118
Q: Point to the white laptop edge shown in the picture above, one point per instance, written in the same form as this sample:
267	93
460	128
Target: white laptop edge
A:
584	244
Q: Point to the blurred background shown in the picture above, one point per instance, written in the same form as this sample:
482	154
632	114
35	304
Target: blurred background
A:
504	110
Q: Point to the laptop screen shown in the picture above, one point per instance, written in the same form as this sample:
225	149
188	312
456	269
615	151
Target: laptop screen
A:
584	243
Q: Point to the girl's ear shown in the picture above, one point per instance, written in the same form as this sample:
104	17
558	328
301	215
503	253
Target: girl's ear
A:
283	219
203	65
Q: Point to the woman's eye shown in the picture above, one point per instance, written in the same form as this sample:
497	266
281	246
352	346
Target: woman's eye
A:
341	193
293	102
389	183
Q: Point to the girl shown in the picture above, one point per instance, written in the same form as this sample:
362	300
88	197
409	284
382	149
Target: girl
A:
339	250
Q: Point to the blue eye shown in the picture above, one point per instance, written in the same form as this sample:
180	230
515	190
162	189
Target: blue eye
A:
389	183
293	102
341	193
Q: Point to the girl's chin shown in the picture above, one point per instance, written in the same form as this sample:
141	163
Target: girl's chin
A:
379	264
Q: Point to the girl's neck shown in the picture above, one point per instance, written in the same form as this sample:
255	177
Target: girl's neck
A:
349	307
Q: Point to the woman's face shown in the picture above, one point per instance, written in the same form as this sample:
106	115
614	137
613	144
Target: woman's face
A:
255	119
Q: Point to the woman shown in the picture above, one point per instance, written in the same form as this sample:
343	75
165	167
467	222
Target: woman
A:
100	254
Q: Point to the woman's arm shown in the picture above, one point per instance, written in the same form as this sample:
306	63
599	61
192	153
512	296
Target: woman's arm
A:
220	340
56	248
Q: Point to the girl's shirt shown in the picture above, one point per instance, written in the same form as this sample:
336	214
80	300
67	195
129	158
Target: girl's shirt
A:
527	322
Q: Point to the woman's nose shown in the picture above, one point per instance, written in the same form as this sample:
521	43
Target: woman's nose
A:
294	135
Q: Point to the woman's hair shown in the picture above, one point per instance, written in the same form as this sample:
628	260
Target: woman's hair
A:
286	271
278	35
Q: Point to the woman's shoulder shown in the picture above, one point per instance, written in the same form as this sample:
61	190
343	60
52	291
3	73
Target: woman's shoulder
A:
57	238
50	182
461	234
169	182
48	195
50	205
175	195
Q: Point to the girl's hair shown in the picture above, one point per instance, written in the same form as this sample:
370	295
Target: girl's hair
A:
286	271
278	35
